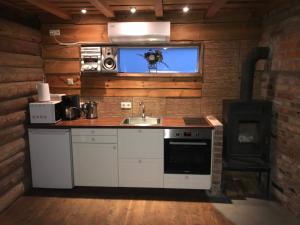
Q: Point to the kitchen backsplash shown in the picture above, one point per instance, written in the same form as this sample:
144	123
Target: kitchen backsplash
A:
111	106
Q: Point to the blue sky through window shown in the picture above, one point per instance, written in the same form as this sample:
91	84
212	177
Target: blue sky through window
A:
176	60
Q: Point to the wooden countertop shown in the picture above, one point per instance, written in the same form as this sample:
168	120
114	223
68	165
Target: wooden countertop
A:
115	122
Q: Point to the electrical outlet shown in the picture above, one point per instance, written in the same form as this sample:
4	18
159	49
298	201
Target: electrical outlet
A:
54	32
70	81
125	105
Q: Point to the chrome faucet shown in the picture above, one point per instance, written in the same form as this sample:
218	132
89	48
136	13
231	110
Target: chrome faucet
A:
143	109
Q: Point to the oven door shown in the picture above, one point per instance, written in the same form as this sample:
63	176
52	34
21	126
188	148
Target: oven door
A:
182	156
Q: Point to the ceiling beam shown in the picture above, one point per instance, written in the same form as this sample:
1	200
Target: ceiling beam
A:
215	7
51	8
103	8
158	7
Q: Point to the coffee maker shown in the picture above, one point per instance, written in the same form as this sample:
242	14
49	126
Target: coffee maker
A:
71	107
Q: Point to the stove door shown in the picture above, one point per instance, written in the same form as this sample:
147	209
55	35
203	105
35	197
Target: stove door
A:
182	156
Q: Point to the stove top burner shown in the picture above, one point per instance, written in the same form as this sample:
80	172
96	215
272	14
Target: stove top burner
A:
195	121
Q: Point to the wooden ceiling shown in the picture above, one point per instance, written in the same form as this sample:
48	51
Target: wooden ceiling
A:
65	9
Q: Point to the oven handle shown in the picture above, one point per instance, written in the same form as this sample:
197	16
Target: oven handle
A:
187	143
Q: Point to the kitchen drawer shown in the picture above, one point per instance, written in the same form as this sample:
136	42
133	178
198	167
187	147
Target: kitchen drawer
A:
98	131
94	139
141	143
187	181
141	173
95	165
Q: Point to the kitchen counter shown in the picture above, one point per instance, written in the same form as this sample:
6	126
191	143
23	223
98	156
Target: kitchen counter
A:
115	122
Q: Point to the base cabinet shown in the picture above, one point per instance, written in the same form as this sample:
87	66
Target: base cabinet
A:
104	158
95	165
95	157
141	173
140	156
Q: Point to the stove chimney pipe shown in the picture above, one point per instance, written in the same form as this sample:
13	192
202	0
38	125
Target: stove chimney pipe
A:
248	69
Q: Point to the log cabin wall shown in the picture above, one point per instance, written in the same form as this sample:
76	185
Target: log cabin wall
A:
21	66
225	43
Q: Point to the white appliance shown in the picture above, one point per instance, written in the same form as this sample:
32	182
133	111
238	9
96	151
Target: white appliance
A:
90	58
45	112
50	155
133	32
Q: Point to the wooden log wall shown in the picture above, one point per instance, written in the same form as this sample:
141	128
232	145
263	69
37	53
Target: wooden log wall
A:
21	67
62	62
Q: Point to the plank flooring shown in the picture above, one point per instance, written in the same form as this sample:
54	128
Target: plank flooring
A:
93	210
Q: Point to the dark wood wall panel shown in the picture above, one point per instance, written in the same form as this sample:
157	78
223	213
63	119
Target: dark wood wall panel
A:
21	67
62	62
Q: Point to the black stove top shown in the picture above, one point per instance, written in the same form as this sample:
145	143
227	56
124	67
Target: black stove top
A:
195	121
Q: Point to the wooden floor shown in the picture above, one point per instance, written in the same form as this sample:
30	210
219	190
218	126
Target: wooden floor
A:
70	210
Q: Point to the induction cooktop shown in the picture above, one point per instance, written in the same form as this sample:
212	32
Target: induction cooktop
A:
196	121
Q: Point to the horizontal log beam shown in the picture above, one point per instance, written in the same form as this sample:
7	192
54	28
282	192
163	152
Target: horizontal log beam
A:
15	90
17	104
11	164
65	91
12	119
10	74
16	31
73	33
11	180
12	148
139	83
12	133
141	93
211	32
55	66
19	46
179	32
19	89
60	52
10	196
20	60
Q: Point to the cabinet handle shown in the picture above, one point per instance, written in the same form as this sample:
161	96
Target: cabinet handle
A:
140	161
93	139
92	131
140	131
114	147
186	177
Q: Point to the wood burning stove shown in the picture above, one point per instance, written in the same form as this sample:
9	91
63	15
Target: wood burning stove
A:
246	130
247	124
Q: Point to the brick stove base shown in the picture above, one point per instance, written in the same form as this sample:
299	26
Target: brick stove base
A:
217	155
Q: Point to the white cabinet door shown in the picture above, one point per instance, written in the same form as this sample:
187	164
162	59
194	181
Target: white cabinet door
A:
141	173
50	157
140	143
95	164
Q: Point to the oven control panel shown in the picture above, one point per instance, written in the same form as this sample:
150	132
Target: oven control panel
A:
197	133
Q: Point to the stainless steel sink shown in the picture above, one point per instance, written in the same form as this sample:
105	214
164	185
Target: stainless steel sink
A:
139	121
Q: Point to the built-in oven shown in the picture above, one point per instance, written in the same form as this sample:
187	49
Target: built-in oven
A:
188	151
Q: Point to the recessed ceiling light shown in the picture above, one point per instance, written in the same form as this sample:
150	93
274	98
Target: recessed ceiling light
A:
185	9
132	10
83	11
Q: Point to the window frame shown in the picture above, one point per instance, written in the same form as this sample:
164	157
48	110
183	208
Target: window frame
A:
170	44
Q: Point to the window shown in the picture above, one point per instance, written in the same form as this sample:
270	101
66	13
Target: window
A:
158	60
